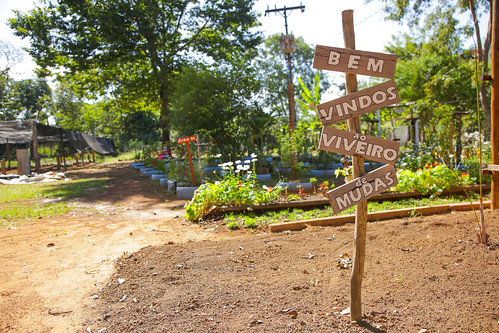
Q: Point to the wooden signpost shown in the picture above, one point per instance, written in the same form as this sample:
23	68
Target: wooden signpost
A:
186	140
353	142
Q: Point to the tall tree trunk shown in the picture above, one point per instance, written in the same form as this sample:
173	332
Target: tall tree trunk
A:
164	122
483	57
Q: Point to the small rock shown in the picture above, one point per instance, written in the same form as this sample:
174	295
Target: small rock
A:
255	322
120	281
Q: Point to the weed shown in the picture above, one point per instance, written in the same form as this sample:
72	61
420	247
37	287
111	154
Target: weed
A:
233	225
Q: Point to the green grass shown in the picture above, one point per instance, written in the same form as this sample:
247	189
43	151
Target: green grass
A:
286	215
18	202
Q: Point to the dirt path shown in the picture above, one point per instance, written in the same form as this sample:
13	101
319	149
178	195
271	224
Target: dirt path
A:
127	261
51	266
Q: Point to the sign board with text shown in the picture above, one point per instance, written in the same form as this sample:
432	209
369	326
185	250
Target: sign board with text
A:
358	103
186	139
362	188
356	144
354	61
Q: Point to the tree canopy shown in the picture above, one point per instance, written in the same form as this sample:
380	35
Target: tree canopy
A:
134	50
439	19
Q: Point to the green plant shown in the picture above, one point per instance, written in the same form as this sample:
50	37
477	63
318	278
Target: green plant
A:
431	179
236	188
293	197
313	180
250	222
346	172
233	225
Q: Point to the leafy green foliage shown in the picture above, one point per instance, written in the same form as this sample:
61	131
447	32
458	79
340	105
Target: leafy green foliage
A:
219	105
25	99
274	72
432	179
134	50
233	189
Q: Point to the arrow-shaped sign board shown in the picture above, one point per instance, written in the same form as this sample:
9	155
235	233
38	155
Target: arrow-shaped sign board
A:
355	144
358	103
354	61
362	188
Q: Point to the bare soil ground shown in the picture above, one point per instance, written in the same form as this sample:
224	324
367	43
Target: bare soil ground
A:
127	261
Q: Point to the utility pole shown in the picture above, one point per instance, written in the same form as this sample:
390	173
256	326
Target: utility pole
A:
291	98
288	47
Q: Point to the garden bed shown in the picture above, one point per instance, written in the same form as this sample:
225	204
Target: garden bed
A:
320	201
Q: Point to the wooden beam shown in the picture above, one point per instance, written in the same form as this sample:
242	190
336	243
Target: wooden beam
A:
494	139
376	216
34	139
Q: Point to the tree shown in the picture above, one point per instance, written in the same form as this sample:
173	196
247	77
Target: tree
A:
29	99
219	104
134	50
413	11
9	56
274	73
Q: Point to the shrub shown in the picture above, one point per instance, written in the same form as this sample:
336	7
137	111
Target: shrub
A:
431	179
233	189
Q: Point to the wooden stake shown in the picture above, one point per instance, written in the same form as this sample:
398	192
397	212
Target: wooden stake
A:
8	154
190	164
494	140
34	139
4	169
358	170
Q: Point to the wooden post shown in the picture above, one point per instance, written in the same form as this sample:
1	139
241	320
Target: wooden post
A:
58	162
36	157
187	140
4	169
190	164
358	170
82	154
93	155
76	158
494	138
8	154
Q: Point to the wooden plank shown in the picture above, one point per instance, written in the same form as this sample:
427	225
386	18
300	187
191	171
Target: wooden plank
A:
386	196
348	60
362	188
376	216
358	103
355	144
493	167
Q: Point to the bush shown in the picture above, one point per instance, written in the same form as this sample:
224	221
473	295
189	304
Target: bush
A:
233	189
431	179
